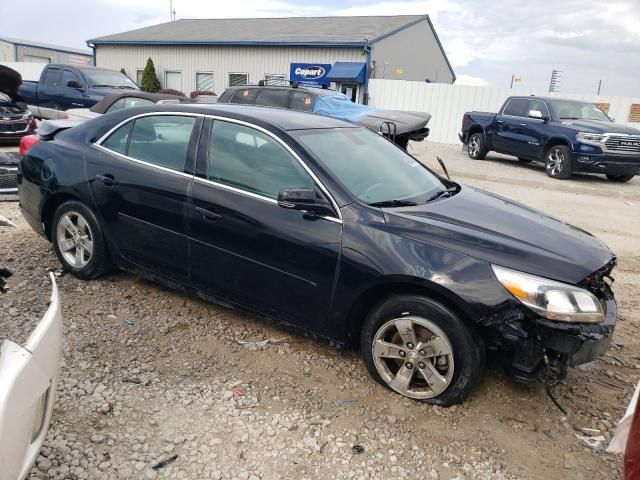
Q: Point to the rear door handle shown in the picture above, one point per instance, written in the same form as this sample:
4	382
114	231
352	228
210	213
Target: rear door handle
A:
107	179
523	124
500	121
208	215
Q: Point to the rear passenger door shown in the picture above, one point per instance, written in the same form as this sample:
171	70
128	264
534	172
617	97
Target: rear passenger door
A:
48	88
140	177
244	246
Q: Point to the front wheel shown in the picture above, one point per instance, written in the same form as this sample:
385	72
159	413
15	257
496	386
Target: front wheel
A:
619	178
476	148
558	162
78	241
420	349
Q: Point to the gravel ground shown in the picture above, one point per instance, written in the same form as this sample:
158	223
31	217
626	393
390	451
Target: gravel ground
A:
149	373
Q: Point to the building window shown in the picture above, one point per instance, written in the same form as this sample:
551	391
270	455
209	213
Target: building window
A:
204	81
275	79
139	74
236	79
173	80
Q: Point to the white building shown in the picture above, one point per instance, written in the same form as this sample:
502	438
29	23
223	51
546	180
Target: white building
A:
212	54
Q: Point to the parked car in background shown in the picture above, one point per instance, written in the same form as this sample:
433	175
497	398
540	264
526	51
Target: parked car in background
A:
16	120
62	87
28	379
399	126
327	227
567	135
9	162
119	101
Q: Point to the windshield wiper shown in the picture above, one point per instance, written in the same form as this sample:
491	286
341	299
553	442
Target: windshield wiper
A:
442	193
393	203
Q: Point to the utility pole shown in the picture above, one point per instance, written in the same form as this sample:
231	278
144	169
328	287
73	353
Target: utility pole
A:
172	11
599	86
513	75
554	83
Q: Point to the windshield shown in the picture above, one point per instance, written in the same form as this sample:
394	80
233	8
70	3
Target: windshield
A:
369	166
107	78
569	110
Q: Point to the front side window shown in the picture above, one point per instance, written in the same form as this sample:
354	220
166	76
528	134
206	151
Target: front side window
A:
129	102
370	166
236	79
161	140
68	76
273	98
245	158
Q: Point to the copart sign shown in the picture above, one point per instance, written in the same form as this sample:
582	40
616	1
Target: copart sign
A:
314	74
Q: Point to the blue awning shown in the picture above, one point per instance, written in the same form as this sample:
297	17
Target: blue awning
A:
347	72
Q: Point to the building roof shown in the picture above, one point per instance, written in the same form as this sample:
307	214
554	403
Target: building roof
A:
48	46
304	31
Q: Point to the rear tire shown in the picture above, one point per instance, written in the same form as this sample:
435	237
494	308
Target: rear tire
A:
419	348
558	163
78	241
476	148
619	178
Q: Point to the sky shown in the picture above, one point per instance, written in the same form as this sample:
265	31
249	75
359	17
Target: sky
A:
486	42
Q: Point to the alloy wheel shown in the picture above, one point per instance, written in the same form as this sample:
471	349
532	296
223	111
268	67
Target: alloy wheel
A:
474	146
74	239
555	162
414	357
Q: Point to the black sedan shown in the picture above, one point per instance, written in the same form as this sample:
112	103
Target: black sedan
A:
324	226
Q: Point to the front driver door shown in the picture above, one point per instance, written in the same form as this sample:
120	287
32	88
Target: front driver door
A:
140	178
246	248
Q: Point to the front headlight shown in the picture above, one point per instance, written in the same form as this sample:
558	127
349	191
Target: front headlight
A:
550	299
27	116
592	138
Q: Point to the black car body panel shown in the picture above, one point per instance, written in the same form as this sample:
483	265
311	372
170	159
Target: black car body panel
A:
319	274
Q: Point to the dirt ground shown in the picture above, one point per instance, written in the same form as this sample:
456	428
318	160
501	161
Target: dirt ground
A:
149	373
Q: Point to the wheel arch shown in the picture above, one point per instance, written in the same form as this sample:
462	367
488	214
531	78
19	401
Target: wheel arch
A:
51	205
554	141
476	128
375	294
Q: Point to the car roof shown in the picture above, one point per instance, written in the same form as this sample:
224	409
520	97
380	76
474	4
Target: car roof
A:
264	116
315	90
108	100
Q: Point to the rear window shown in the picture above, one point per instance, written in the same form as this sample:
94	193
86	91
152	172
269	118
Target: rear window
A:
245	96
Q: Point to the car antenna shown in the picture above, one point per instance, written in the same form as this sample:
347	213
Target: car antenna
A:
443	167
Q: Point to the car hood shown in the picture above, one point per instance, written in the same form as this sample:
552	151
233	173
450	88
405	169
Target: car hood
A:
405	121
495	229
10	80
593	126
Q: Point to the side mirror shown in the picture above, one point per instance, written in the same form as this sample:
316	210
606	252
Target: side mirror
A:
305	199
74	84
536	114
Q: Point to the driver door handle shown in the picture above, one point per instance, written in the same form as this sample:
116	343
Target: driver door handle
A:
208	215
107	179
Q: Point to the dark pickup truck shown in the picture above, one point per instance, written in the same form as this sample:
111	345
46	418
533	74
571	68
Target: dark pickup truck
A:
568	136
70	86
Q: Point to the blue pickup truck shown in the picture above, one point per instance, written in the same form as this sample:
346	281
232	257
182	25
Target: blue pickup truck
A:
71	86
568	136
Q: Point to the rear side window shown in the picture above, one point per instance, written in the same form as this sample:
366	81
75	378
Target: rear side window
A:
161	140
273	98
246	96
517	107
52	77
302	101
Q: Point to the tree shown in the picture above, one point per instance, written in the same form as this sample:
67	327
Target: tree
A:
149	82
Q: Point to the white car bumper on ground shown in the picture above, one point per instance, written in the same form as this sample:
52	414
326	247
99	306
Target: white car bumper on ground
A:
28	377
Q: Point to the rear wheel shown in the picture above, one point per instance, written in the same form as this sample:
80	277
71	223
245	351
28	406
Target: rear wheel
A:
476	148
619	178
558	162
78	241
420	349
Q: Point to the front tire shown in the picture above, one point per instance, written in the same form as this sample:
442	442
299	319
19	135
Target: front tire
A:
558	162
419	348
476	148
619	178
78	241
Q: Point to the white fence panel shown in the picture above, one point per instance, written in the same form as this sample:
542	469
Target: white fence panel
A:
448	103
28	70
